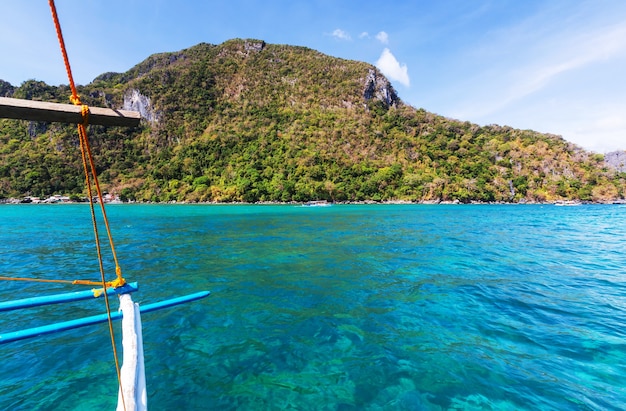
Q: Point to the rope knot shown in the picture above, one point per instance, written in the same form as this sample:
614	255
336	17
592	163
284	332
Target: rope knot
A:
75	99
118	282
84	111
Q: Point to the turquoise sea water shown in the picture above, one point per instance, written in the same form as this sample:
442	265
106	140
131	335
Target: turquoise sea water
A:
378	307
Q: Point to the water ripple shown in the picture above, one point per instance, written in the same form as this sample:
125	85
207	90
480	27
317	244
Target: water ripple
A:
340	308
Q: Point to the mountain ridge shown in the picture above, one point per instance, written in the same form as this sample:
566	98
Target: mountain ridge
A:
251	121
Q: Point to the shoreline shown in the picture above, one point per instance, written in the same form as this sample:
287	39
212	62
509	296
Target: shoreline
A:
16	201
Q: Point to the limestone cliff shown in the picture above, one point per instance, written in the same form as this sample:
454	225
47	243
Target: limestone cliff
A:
616	160
378	87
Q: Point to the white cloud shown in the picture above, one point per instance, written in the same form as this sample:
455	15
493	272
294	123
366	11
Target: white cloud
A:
383	37
364	35
391	68
341	35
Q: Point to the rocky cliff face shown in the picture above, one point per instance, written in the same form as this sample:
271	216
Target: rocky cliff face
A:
616	160
135	101
378	87
254	46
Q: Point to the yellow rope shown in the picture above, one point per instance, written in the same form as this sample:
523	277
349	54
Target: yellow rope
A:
90	170
41	280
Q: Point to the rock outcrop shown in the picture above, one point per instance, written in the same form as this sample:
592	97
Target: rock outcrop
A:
135	101
378	87
616	160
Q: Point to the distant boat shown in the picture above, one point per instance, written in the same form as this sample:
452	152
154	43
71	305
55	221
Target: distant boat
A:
567	203
317	203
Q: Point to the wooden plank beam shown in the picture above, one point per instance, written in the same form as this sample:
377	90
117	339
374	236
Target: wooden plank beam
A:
65	113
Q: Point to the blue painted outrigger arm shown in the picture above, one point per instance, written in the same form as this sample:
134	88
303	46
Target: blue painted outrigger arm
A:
96	319
65	297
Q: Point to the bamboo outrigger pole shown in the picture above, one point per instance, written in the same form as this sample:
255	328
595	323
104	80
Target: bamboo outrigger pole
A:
65	113
64	298
97	319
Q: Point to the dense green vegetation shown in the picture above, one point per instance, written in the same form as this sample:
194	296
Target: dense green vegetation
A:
247	121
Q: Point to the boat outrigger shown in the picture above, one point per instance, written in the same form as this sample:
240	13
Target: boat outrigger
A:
131	377
85	321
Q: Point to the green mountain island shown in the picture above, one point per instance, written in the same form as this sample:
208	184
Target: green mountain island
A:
246	121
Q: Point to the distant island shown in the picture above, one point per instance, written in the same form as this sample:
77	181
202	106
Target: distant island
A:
247	121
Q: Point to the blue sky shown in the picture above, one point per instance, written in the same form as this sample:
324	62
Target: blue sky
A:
555	66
